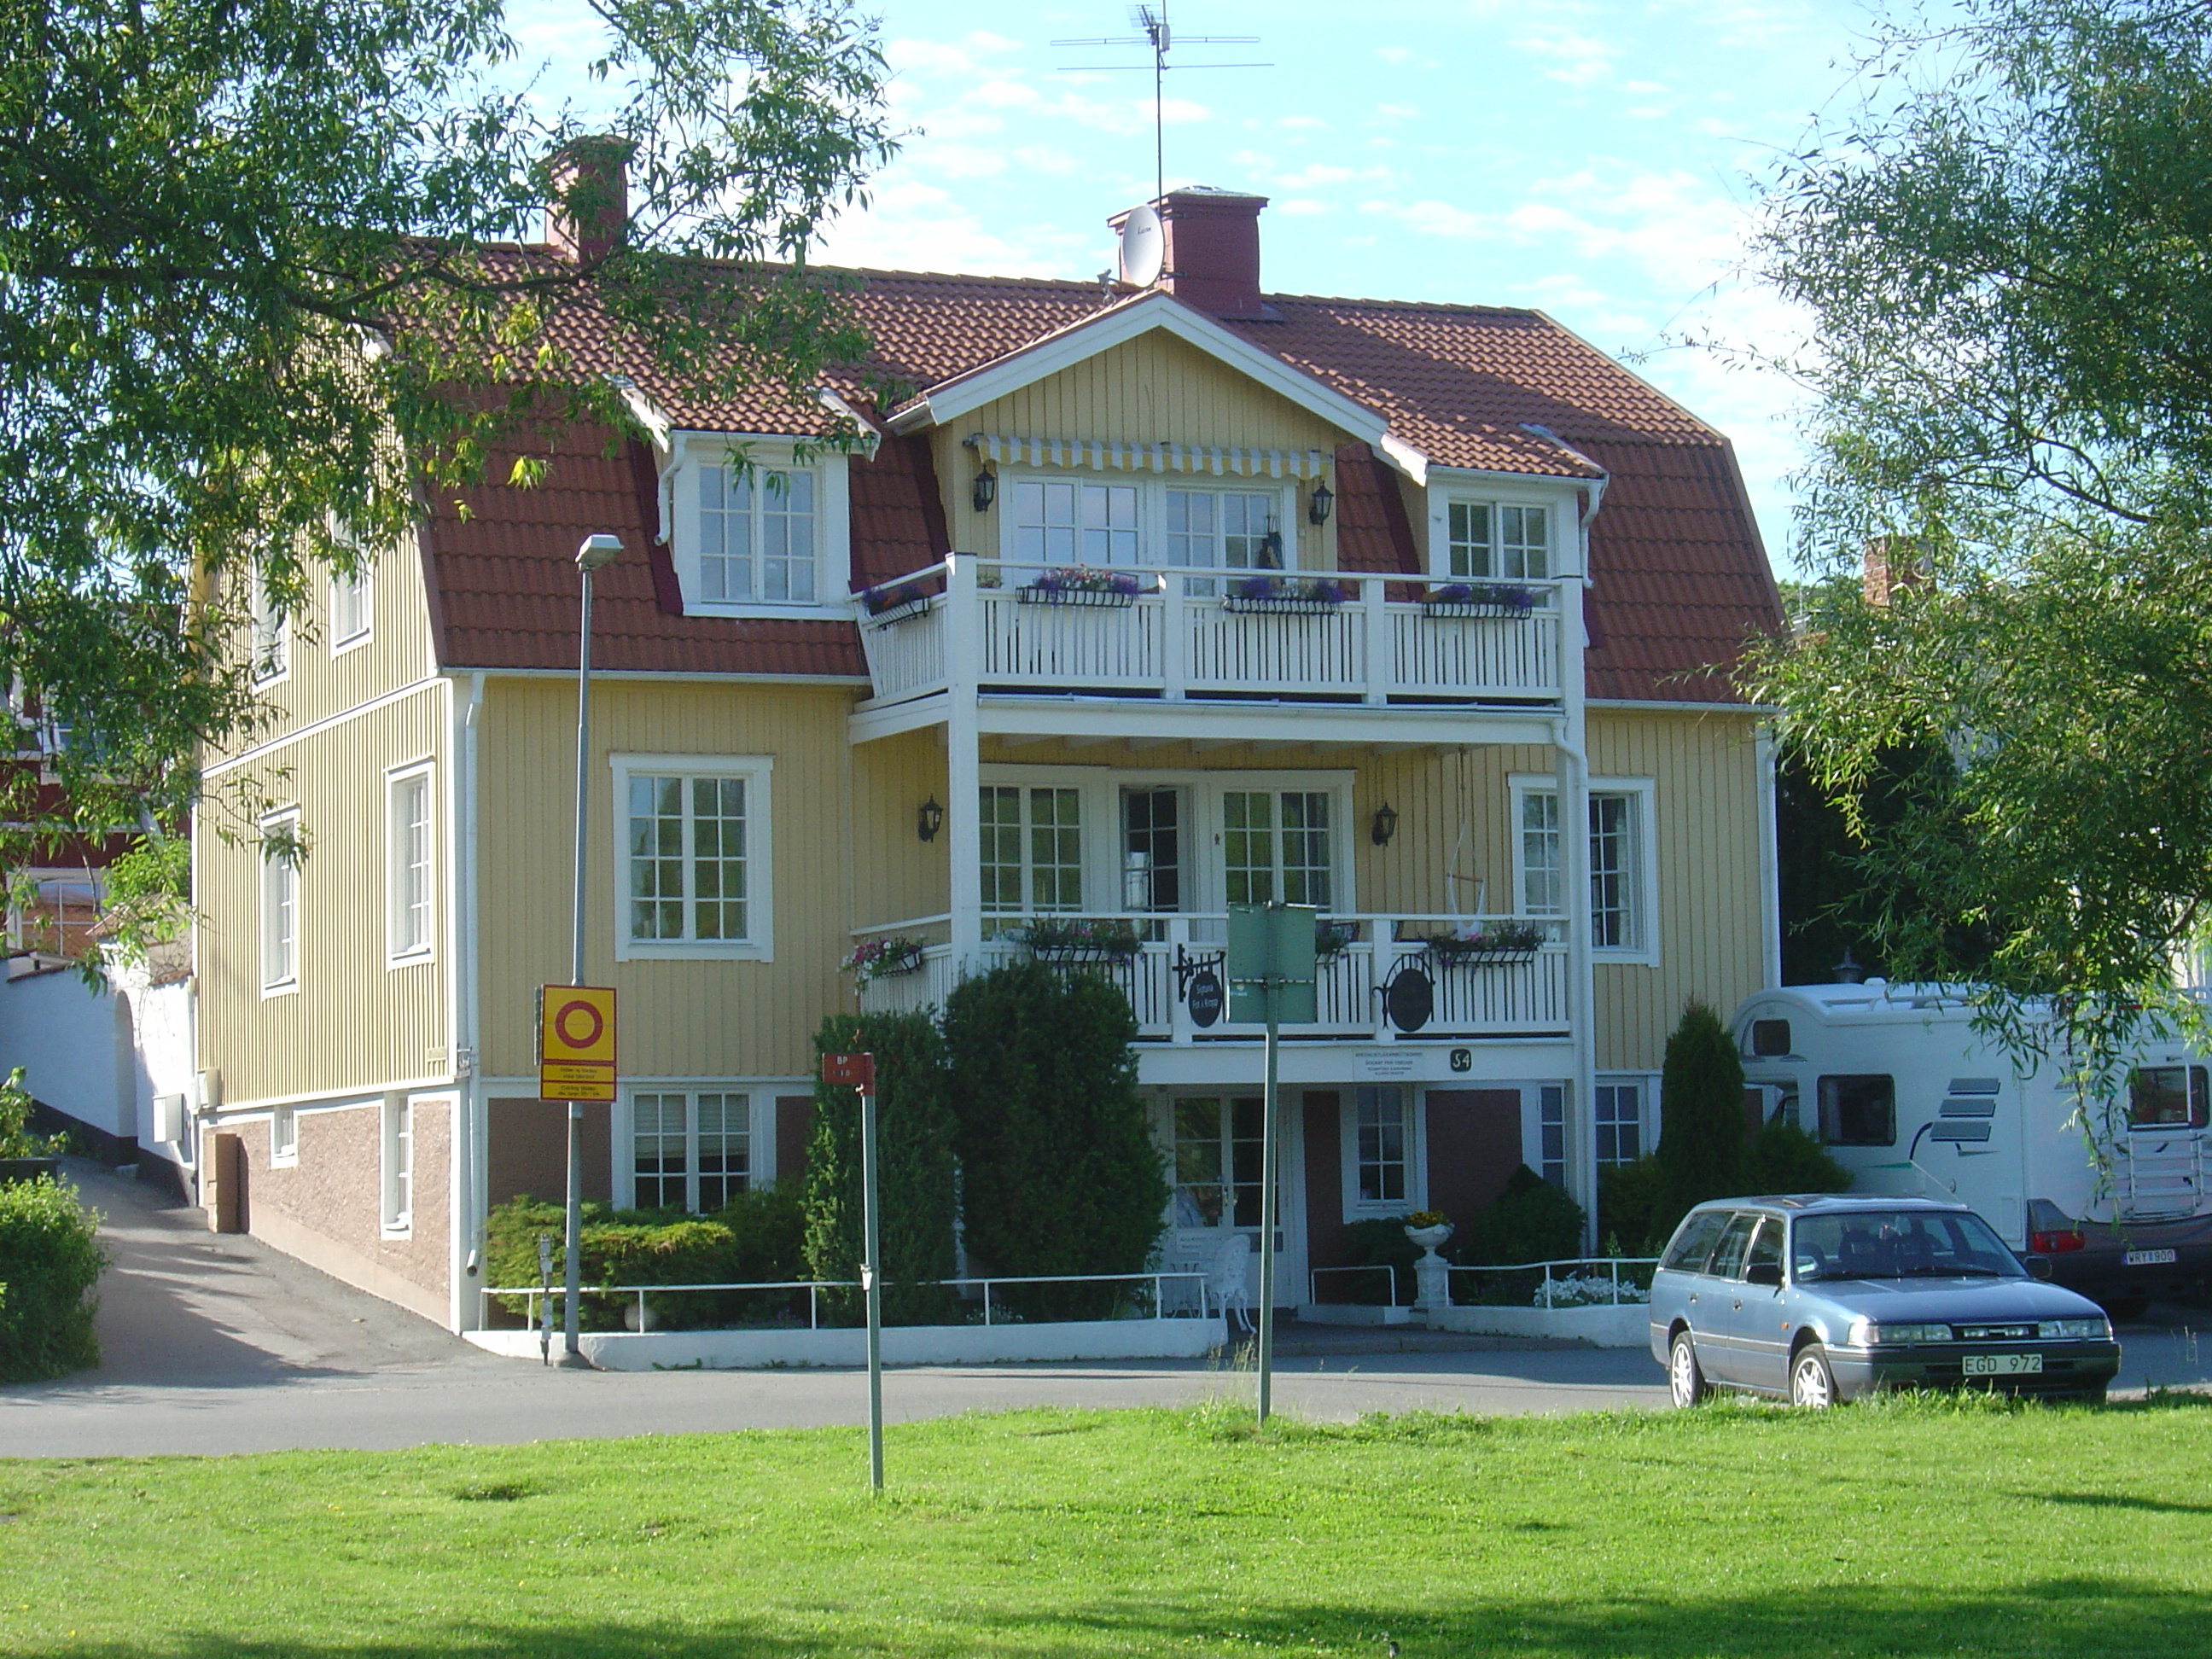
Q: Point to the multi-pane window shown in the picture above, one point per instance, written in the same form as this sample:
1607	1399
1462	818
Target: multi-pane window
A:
398	1165
1381	1142
350	608
687	863
1152	849
690	1152
1616	864
1032	849
1619	1123
410	870
1068	523
280	905
1486	539
1222	529
758	535
1275	845
1552	1133
1218	1153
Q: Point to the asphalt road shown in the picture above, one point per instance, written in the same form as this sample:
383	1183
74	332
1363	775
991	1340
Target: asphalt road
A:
218	1344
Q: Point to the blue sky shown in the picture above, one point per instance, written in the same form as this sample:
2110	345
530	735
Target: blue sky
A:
1597	160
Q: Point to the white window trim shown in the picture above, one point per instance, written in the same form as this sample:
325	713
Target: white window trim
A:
1646	952
397	1220
273	624
284	1137
760	1095
832	473
394	957
1101	788
289	985
1647	1105
760	866
1355	1208
1560	544
342	643
1152	510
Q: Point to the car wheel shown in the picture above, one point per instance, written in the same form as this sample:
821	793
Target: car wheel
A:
1686	1378
1812	1384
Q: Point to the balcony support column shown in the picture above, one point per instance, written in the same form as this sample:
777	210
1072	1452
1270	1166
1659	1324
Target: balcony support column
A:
964	838
1574	834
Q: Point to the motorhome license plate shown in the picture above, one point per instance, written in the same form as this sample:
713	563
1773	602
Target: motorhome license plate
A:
2002	1364
2148	1258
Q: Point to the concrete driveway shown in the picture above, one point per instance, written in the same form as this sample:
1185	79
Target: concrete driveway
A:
218	1344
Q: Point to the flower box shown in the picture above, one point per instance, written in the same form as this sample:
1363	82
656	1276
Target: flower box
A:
1490	947
1081	943
894	605
1286	595
1492	600
879	959
1082	584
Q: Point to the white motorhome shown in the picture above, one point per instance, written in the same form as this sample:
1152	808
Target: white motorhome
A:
1905	1094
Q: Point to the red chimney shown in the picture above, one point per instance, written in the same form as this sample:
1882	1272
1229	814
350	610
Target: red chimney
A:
590	208
1213	249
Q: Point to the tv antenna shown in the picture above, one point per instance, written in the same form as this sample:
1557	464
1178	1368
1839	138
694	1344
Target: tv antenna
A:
1152	20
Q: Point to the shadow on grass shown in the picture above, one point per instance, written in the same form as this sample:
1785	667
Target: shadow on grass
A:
2064	1618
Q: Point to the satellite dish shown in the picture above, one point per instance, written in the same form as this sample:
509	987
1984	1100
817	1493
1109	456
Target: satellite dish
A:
1144	247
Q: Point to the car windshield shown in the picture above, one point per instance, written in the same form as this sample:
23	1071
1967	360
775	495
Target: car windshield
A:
1898	1244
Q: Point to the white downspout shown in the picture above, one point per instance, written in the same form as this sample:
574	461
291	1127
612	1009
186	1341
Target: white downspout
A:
1770	861
462	949
1571	743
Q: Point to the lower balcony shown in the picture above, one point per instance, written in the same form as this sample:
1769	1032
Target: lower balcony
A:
1470	991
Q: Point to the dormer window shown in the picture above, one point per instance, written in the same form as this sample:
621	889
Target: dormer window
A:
1498	541
756	528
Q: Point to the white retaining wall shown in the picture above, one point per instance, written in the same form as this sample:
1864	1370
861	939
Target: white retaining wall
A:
903	1344
1602	1327
74	1045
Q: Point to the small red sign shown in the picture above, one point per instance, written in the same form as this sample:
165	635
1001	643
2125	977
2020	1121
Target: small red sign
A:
850	1072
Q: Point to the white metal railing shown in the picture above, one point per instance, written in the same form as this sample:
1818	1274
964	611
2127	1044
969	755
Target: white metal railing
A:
1181	633
1470	997
814	1287
1313	1279
1553	1289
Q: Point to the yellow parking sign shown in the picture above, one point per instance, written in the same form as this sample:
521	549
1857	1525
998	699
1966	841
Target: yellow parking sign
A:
576	1042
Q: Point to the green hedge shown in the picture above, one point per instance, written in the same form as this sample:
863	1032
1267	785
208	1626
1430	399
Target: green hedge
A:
755	1238
1532	1221
51	1255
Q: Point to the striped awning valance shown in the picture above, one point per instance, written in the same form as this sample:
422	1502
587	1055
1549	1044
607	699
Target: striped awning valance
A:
1220	460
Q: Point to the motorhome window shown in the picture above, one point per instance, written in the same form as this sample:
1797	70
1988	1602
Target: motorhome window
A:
2168	1098
1859	1112
1694	1244
1770	1037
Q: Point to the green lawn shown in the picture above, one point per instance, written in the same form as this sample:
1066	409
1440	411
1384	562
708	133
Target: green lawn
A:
1897	1527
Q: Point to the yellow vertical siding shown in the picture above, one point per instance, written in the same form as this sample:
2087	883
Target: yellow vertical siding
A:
1153	389
687	1017
354	1023
904	876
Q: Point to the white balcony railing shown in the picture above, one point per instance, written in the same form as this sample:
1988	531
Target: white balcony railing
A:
1471	997
1001	626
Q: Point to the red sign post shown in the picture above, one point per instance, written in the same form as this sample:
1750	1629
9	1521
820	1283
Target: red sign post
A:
850	1072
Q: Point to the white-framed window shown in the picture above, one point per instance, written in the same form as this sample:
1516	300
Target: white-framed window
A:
1276	848
755	528
350	610
408	865
1382	1152
1061	520
1623	926
1032	848
283	1137
398	1138
280	903
1496	541
272	634
689	1149
1218	1159
1552	1133
694	871
1619	1121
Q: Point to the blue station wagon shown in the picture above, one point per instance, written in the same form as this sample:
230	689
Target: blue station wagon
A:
1816	1299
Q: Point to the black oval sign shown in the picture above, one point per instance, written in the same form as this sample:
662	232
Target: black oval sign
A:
1204	997
1411	998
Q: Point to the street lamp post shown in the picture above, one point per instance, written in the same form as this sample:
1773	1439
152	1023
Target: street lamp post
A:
596	553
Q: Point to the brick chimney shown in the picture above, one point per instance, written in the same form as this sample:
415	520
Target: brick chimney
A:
1890	564
590	207
1212	241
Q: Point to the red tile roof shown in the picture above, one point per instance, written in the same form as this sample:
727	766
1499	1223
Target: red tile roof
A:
1680	579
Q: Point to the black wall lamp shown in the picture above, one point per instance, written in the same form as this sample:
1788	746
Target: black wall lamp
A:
1385	824
1318	504
987	489
929	820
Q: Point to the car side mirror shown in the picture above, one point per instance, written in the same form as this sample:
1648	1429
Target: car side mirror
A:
2039	1266
1763	1273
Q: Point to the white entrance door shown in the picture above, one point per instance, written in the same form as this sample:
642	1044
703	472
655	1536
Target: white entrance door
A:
1216	1149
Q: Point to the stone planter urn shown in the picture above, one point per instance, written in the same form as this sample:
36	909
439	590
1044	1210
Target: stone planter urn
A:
1431	1274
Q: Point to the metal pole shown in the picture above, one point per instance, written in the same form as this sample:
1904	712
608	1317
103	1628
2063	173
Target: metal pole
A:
1269	1144
572	1251
873	1284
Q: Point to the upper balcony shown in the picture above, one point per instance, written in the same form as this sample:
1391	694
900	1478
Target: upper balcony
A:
1165	636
